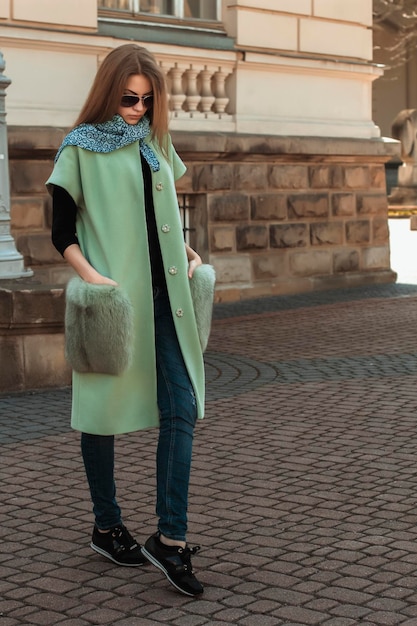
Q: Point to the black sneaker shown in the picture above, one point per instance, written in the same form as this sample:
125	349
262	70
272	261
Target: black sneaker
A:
119	546
175	562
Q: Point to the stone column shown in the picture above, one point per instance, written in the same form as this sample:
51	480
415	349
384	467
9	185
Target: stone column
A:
11	261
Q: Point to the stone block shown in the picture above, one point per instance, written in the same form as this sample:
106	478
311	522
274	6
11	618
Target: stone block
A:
308	205
380	231
250	28
330	233
310	263
251	237
222	239
12	372
44	306
197	222
232	269
62	13
346	261
320	176
250	176
343	204
232	207
372	204
54	274
27	213
358	231
45	361
378	177
185	183
288	235
335	38
266	267
271	206
289	177
356	11
357	177
227	294
5	9
31	304
48	211
211	177
6	307
28	177
297	6
336	178
26	141
325	176
37	249
376	258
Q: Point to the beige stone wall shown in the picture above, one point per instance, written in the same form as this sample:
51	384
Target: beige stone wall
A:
31	154
285	217
274	215
31	337
78	13
300	67
330	27
311	58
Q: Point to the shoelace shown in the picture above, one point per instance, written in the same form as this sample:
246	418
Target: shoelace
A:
124	539
185	555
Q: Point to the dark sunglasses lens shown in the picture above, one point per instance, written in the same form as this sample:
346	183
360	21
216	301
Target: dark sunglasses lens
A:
129	101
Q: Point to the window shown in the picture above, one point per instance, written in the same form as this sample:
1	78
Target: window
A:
200	9
185	9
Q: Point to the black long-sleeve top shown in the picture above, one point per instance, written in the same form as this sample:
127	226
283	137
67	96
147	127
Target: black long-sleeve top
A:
64	232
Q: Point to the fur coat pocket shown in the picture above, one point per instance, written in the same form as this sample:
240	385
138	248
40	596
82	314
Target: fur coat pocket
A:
202	293
98	328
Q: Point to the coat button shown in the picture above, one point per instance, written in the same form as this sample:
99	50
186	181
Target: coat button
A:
173	270
165	228
179	312
159	186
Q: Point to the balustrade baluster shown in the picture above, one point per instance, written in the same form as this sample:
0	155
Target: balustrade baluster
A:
196	92
192	96
177	95
221	100
207	97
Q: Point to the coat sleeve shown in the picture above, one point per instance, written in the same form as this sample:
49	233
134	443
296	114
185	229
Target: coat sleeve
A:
66	174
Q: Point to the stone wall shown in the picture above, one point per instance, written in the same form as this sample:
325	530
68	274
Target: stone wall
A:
274	215
281	214
288	215
280	67
31	336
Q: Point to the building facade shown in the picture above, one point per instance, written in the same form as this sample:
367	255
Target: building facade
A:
271	109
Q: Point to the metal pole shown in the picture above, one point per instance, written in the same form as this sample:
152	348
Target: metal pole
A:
11	261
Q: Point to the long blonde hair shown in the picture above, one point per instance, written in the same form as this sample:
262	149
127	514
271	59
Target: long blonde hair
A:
108	86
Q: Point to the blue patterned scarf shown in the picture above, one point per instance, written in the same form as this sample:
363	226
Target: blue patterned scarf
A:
112	135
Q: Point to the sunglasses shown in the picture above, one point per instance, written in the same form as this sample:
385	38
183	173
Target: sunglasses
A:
130	101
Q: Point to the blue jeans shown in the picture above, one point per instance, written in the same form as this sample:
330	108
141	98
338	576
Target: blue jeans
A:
178	415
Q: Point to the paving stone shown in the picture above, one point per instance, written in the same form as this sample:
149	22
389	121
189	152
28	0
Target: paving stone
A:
303	490
301	615
384	618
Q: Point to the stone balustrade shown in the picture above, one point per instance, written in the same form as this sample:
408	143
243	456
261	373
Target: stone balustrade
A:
199	92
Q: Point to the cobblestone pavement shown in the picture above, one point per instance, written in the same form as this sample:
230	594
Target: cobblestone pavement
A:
304	484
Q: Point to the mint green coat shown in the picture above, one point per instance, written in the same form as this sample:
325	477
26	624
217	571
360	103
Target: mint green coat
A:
111	227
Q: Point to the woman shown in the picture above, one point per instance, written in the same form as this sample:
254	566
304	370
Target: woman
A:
116	222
